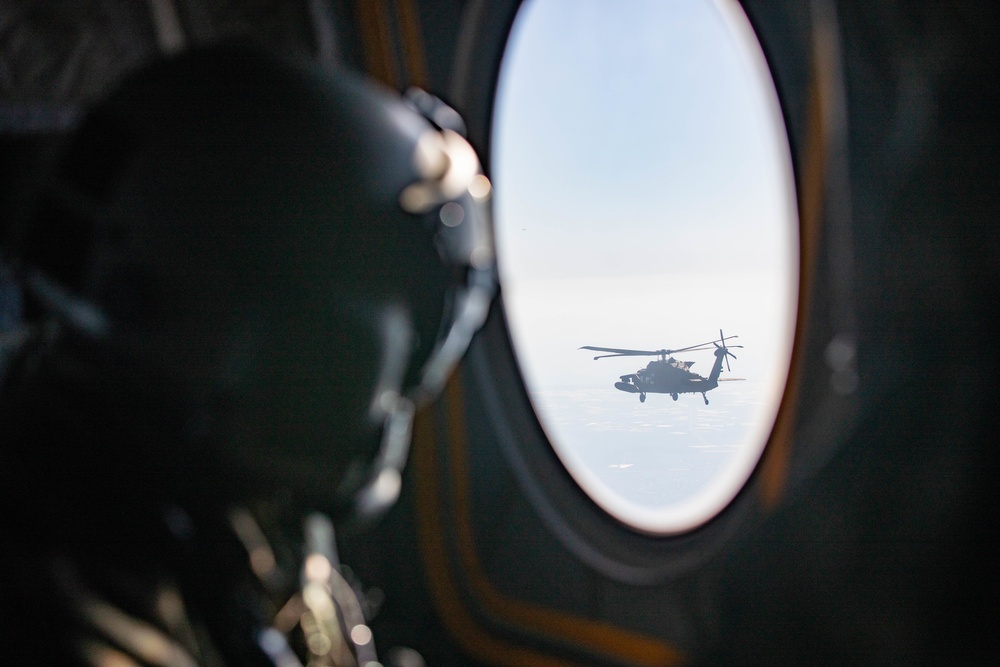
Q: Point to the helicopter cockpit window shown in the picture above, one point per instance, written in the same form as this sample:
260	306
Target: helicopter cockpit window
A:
648	246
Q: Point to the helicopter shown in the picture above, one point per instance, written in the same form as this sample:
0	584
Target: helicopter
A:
667	375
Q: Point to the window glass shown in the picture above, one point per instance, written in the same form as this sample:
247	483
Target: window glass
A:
644	201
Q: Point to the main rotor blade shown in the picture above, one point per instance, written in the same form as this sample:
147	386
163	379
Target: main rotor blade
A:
622	352
694	349
605	356
706	345
626	352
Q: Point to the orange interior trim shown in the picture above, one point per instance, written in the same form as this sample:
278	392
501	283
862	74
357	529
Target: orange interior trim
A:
812	178
376	38
413	45
440	577
597	637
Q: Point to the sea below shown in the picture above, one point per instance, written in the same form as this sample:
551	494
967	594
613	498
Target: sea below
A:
659	453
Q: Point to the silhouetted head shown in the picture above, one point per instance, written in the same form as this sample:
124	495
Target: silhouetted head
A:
256	267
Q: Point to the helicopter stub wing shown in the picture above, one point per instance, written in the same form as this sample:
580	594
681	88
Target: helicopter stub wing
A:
627	386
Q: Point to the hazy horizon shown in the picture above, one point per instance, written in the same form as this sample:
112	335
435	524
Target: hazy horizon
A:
643	200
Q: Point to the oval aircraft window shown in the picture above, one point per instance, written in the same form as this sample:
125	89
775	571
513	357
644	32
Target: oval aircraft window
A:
648	245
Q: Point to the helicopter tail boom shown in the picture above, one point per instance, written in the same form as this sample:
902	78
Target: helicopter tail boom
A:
722	353
713	377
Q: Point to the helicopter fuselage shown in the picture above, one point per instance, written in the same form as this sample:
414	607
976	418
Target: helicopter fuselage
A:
670	376
667	375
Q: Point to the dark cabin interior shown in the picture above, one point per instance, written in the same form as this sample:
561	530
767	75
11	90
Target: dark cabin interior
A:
865	534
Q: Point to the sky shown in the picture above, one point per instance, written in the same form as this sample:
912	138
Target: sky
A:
643	198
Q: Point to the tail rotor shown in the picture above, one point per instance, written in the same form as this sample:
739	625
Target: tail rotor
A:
725	349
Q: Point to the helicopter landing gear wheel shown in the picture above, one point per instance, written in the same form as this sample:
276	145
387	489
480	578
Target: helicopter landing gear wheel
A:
642	398
673	396
706	398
